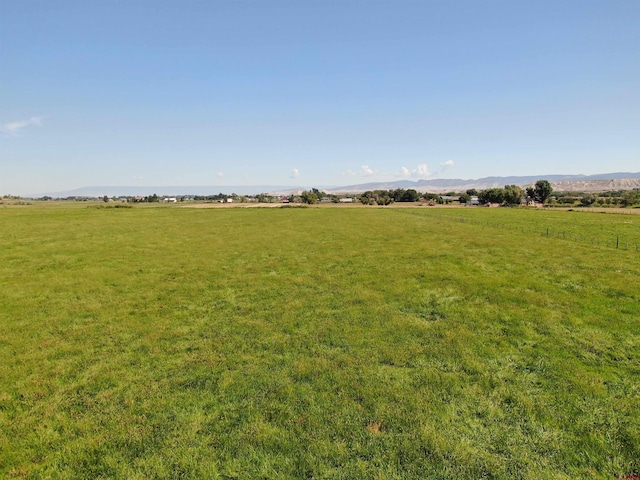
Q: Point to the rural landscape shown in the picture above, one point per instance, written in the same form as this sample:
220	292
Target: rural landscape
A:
321	240
318	341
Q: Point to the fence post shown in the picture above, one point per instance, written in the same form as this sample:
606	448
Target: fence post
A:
617	241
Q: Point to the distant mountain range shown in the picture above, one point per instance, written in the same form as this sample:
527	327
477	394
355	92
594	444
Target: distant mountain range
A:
605	181
585	183
170	191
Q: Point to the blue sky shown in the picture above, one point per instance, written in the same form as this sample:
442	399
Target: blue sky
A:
314	93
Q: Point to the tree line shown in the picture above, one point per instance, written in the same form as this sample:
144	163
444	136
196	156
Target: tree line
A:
514	195
509	195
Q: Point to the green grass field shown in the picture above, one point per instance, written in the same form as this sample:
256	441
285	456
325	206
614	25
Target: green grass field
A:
342	343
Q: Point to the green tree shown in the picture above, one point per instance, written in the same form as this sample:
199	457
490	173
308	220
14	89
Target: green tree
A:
402	195
513	195
531	193
491	195
464	198
410	195
383	198
433	196
588	199
542	190
376	197
630	198
308	197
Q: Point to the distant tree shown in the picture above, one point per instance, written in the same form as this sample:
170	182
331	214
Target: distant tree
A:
397	194
513	195
433	197
377	197
542	190
464	198
402	195
531	193
410	195
472	192
105	199
309	197
588	199
491	195
630	198
383	198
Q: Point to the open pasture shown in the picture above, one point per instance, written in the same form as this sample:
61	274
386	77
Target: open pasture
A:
337	343
614	228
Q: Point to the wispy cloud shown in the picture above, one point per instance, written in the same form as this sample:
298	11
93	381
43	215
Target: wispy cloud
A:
219	174
14	128
447	164
295	173
365	171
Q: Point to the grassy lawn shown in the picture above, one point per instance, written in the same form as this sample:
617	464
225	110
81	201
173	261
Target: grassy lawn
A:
343	343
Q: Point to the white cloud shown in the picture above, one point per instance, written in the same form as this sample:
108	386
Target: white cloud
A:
366	171
137	179
447	164
295	173
14	128
420	171
219	174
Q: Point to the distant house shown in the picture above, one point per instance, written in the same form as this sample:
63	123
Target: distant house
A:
346	200
229	200
474	201
530	202
171	200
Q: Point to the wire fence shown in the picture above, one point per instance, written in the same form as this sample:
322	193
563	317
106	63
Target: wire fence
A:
619	243
614	242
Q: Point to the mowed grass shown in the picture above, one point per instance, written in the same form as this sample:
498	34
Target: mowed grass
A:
340	343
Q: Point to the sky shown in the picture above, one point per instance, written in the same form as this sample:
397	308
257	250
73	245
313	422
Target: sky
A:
314	93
